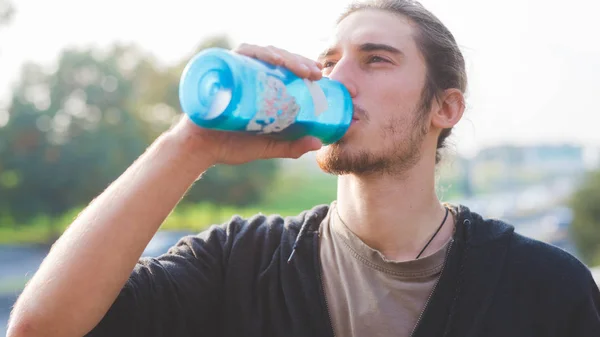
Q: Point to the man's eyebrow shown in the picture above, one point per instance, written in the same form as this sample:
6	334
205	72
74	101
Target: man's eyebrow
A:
365	47
379	47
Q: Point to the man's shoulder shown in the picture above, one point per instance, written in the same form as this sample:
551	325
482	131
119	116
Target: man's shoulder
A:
546	259
548	269
533	261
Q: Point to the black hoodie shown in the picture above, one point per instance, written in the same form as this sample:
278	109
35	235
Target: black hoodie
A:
237	279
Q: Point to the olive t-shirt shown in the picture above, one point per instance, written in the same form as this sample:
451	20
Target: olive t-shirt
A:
367	294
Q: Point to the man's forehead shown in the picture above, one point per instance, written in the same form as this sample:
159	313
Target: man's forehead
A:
361	28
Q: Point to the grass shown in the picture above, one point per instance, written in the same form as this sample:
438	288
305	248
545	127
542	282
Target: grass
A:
290	193
41	230
34	233
13	285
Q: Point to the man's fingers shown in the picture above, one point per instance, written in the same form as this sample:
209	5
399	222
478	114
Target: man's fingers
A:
299	65
260	53
291	149
304	145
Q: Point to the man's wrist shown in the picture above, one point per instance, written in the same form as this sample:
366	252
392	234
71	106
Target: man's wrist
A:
188	144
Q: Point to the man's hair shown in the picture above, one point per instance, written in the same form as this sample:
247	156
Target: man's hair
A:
443	58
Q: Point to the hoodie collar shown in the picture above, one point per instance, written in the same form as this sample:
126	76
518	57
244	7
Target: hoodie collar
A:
471	228
468	281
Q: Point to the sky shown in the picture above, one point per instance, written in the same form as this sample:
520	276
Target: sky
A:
533	65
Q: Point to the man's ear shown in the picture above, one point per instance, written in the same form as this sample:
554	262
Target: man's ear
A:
450	110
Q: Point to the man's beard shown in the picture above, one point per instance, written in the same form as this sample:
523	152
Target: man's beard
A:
397	156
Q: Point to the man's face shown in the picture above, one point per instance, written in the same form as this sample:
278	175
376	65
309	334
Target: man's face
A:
375	56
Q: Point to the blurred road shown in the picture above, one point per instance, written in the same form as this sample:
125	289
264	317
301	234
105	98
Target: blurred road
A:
17	264
6	303
19	261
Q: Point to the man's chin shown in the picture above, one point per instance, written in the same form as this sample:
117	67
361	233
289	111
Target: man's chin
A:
327	156
337	159
342	159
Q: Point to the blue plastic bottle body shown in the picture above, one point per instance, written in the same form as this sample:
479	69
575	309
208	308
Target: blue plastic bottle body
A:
223	90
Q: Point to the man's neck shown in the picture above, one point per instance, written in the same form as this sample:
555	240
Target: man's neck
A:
394	215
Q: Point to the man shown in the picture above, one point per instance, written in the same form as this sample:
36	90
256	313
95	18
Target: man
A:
385	259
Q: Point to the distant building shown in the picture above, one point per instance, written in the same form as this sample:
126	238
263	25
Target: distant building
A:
509	167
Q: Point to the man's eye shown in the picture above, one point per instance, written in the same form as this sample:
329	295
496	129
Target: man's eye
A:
376	59
328	64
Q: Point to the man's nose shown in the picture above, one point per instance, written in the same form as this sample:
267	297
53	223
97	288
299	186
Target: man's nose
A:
345	74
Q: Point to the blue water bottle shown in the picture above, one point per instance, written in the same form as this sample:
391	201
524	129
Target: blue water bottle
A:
223	90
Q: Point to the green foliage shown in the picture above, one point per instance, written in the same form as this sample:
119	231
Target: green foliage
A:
234	185
73	130
585	228
295	191
70	133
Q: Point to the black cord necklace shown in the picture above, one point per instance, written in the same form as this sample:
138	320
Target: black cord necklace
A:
434	234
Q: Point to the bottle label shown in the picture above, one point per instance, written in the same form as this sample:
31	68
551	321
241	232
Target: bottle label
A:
276	109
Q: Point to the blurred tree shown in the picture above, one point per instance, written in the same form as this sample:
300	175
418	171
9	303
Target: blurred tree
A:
585	228
69	133
73	130
6	12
